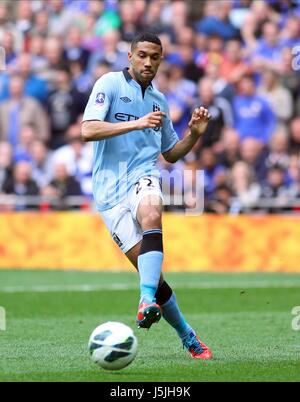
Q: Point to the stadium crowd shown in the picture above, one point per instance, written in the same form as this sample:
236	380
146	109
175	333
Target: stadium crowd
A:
238	58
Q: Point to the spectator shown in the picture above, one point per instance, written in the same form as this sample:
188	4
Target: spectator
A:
33	86
179	13
28	135
233	66
184	88
214	51
275	187
19	111
229	151
221	87
268	50
22	184
54	59
220	201
219	108
278	150
36	50
90	40
65	104
7	26
293	172
80	80
41	24
96	8
24	20
168	46
153	20
101	68
276	95
218	23
74	50
77	157
191	70
214	173
130	24
253	153
5	163
109	20
62	185
291	32
111	52
259	13
186	37
178	106
245	188
9	47
290	77
185	49
60	18
253	117
294	146
41	160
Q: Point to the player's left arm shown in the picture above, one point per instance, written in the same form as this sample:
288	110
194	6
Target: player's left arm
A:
197	126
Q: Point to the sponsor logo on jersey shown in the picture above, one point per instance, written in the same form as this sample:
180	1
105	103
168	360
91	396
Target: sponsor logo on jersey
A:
125	99
125	117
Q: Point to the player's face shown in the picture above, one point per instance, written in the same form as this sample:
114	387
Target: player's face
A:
144	60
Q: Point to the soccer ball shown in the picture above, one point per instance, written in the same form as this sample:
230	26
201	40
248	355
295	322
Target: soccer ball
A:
112	345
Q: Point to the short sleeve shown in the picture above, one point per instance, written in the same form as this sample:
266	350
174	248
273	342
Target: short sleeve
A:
100	99
169	136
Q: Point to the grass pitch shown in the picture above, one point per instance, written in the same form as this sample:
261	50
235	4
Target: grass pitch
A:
245	318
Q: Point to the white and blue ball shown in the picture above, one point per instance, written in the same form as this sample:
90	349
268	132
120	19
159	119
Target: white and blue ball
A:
112	345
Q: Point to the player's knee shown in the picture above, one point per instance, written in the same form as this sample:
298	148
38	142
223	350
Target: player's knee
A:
151	220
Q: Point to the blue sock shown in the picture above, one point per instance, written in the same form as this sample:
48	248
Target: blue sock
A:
173	315
150	264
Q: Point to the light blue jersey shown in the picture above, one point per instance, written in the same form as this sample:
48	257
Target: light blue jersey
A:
119	162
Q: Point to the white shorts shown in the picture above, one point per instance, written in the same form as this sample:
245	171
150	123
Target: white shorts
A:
121	219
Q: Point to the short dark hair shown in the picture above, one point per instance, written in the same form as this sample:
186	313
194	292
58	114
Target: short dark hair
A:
248	76
145	37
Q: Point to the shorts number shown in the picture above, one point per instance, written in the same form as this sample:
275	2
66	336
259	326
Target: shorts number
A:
140	185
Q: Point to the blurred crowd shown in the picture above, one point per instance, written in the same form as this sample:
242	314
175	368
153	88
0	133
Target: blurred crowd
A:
238	58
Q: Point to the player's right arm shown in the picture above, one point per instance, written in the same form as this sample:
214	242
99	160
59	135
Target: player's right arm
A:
95	126
97	130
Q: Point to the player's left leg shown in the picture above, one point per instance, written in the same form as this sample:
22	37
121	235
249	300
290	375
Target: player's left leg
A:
166	299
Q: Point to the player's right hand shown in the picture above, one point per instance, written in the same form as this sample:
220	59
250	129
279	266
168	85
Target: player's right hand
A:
151	120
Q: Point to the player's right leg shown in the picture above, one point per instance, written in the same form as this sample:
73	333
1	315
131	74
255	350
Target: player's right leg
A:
127	233
148	216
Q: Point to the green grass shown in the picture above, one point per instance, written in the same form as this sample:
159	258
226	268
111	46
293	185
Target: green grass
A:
245	319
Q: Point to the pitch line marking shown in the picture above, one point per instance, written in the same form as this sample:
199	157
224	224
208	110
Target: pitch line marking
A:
122	286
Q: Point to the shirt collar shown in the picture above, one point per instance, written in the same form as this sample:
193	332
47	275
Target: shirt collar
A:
129	78
126	74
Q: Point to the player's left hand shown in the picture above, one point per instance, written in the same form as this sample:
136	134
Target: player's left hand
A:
199	120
